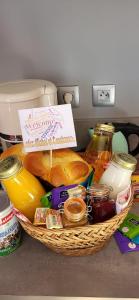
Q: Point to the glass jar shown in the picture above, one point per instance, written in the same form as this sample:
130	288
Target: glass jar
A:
74	209
102	207
24	190
118	173
75	213
99	150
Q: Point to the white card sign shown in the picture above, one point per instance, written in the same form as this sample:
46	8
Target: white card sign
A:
47	128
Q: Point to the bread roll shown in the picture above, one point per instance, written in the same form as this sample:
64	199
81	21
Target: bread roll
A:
17	149
67	166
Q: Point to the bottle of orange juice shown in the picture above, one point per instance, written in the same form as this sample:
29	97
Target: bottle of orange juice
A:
99	150
24	189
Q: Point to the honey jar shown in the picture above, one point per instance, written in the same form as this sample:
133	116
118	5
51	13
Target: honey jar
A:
74	212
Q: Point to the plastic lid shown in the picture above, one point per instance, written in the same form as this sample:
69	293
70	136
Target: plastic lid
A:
125	160
9	166
24	90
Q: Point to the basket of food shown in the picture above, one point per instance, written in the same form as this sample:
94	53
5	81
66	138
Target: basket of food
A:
83	240
77	216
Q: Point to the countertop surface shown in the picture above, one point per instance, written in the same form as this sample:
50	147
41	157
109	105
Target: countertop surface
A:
33	269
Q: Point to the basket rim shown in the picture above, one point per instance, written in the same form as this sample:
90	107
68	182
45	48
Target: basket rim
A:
79	228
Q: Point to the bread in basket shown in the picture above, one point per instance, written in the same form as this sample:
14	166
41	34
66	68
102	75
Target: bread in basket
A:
67	166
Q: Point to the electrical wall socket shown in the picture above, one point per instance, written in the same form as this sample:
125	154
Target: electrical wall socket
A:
68	95
103	95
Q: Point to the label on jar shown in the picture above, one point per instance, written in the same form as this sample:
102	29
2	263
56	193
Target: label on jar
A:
123	199
9	233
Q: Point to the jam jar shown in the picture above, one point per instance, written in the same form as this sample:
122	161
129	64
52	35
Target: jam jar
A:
103	208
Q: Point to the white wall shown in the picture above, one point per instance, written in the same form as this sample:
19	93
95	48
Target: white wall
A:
74	42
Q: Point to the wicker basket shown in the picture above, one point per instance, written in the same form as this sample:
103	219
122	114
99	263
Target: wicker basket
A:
80	240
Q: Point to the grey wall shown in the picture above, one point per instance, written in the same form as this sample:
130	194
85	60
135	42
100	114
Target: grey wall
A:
74	42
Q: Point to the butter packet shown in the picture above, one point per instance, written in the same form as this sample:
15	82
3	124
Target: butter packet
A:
53	219
130	226
40	216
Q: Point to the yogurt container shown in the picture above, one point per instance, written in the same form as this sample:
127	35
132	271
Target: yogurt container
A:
9	227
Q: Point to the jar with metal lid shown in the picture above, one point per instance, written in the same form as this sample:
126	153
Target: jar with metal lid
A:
23	189
118	173
78	191
103	208
99	150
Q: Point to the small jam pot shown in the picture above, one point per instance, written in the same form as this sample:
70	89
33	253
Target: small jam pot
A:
74	209
103	208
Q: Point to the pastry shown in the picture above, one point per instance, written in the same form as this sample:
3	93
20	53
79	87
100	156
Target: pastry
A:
68	167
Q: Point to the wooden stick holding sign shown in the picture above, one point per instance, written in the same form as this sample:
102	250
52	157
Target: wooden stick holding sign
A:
51	158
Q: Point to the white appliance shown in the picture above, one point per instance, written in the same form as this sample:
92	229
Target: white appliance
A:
15	95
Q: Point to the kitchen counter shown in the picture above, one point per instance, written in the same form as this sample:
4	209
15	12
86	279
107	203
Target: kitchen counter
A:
33	269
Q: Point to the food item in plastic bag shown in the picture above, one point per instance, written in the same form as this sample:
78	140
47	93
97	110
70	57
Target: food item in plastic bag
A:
59	195
130	226
136	240
46	200
125	244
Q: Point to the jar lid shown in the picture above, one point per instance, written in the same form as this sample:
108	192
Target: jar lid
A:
77	190
106	127
99	190
74	209
9	166
125	160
